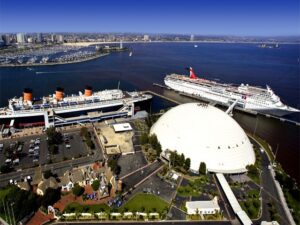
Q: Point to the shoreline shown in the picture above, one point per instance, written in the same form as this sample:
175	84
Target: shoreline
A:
86	44
55	63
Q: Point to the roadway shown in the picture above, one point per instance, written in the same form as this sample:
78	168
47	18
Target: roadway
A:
269	192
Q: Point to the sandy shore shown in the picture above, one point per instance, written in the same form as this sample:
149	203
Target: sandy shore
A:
55	63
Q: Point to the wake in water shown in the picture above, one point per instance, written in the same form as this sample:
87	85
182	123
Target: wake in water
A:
45	72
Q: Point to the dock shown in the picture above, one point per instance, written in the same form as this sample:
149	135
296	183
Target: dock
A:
161	86
162	96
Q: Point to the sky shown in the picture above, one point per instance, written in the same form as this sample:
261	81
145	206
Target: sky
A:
199	17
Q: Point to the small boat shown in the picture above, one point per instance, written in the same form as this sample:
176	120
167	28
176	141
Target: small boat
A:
196	46
130	53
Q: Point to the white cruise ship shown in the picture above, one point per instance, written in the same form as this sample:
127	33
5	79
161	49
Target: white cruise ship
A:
27	110
262	100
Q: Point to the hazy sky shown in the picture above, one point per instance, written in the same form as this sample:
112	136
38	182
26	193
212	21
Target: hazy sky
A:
229	17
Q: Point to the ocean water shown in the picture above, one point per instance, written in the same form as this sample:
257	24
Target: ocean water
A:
150	62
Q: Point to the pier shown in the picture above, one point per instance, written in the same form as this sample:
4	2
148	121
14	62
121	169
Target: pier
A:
162	96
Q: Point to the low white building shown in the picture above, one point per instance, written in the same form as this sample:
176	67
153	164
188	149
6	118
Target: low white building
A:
121	127
269	223
203	207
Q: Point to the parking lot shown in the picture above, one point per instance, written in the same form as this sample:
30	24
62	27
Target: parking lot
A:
130	163
155	185
73	147
29	151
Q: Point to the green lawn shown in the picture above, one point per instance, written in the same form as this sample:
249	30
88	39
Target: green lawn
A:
194	187
4	192
265	145
145	202
76	207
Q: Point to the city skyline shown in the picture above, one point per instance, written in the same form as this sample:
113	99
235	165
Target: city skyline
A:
247	18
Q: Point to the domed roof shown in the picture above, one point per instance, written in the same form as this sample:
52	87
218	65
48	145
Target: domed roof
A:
205	133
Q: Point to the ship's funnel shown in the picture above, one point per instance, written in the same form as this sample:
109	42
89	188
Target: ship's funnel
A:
192	74
88	91
27	94
59	93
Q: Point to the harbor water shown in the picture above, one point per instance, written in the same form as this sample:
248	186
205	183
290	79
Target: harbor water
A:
150	62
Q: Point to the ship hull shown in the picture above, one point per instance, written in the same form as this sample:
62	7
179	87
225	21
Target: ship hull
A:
36	118
221	98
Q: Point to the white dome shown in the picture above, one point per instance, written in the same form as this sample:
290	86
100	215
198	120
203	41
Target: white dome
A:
204	133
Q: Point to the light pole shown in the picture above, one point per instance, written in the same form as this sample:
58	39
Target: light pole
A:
256	121
13	214
8	212
6	218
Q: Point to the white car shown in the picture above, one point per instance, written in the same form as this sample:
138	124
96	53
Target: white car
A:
31	151
16	161
8	161
35	160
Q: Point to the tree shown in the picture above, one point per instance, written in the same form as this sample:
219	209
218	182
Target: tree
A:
158	149
54	137
48	174
53	149
50	197
144	139
5	169
77	190
173	158
96	185
155	144
83	132
149	120
187	164
252	170
202	168
113	164
181	160
21	202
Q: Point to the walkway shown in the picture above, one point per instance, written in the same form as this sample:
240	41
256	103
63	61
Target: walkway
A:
245	220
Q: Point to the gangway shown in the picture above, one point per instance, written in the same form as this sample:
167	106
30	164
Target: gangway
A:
231	106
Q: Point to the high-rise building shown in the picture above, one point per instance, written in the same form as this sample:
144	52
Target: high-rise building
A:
60	38
6	39
146	37
39	38
192	37
30	39
21	38
52	37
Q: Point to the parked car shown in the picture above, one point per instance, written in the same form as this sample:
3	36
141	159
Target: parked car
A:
35	159
8	161
16	161
20	148
31	151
